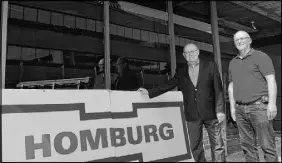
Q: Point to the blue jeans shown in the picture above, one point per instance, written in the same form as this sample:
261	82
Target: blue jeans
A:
252	124
195	131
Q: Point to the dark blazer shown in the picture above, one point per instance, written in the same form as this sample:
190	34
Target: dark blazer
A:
128	82
202	101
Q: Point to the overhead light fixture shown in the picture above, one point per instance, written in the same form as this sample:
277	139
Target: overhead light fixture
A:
253	25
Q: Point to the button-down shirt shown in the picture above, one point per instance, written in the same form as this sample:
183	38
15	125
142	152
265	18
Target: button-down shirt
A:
193	70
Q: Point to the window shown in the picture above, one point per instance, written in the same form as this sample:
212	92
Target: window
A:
14	53
57	56
128	32
80	23
163	66
120	30
144	35
68	58
30	14
167	39
43	55
113	29
56	19
99	26
28	54
16	12
136	34
84	60
162	38
153	36
90	25
44	16
69	21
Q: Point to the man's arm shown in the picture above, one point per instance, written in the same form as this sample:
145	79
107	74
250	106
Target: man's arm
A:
231	100
161	89
219	96
267	69
272	93
272	88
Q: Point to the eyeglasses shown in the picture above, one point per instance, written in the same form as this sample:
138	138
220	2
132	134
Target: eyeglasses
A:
241	39
190	52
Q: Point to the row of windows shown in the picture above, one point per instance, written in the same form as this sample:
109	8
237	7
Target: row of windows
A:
73	59
72	21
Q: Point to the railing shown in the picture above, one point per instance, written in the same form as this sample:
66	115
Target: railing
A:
53	83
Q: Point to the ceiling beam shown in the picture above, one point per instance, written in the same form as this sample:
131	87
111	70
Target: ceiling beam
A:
235	26
257	10
266	33
184	2
179	3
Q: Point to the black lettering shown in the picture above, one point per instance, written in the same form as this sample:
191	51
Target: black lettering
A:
30	146
86	136
169	131
58	143
117	133
149	133
130	135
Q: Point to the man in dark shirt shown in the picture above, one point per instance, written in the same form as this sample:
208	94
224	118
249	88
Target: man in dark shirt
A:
252	79
127	80
201	86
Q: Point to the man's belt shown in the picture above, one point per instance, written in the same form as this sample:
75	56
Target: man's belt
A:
250	103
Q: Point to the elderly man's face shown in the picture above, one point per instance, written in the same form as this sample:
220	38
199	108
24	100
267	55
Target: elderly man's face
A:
191	53
242	40
101	65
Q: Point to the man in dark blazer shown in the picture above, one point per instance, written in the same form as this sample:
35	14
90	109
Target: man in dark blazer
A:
127	80
200	84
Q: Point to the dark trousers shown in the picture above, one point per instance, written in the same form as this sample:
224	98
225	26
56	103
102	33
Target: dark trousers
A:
252	124
195	131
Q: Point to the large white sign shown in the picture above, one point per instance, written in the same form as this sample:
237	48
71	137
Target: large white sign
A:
93	125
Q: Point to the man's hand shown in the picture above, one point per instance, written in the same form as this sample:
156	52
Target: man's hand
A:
143	91
271	111
233	114
220	117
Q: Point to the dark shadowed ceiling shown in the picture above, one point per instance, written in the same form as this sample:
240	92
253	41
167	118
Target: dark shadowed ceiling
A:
261	19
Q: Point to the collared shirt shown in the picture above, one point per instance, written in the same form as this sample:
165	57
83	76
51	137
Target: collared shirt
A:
248	54
248	75
193	70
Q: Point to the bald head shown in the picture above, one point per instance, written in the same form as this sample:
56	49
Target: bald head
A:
241	34
242	40
101	61
191	52
101	65
190	46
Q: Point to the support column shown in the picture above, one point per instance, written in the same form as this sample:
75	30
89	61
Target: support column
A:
107	45
215	37
217	58
4	23
171	38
